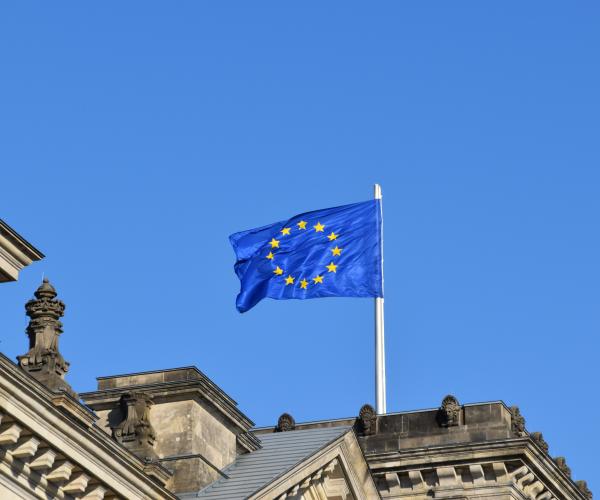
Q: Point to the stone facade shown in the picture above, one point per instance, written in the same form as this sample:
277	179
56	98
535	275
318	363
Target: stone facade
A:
175	434
198	429
476	451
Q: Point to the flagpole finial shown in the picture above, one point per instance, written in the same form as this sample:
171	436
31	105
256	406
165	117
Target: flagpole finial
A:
377	189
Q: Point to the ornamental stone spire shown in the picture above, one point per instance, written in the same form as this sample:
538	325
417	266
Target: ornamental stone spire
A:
43	361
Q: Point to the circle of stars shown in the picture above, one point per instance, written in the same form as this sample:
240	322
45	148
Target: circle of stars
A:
316	280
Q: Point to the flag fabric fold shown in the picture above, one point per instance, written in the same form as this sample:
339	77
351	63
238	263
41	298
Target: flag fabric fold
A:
334	252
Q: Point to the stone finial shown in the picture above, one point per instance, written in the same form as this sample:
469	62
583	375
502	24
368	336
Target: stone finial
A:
449	412
538	439
285	423
517	422
134	430
43	360
367	420
583	487
561	463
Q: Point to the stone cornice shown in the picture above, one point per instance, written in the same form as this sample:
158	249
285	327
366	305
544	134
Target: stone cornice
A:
15	253
201	386
249	441
168	391
523	449
75	408
191	373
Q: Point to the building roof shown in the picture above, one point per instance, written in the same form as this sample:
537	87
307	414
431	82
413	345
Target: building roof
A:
280	452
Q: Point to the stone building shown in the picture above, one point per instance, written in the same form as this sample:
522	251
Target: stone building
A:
175	434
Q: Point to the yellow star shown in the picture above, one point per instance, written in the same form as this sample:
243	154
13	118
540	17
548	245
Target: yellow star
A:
319	227
274	243
301	224
271	255
332	236
331	268
289	280
303	283
318	279
337	251
278	271
286	230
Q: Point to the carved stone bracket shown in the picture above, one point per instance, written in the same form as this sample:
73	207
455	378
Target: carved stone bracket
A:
285	423
538	439
561	463
134	430
367	420
449	413
583	487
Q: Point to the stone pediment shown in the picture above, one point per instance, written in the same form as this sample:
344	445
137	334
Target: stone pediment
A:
50	447
297	465
338	471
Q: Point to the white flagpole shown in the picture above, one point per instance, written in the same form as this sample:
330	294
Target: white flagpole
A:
379	331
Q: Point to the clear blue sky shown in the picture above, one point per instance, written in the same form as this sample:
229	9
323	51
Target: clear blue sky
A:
135	137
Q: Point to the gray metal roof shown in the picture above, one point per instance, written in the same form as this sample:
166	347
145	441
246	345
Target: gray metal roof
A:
280	452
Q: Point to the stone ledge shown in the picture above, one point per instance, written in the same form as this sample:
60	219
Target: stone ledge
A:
75	408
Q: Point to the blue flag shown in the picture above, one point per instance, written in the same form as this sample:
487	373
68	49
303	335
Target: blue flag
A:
335	252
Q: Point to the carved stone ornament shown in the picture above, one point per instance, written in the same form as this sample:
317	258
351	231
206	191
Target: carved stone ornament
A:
538	439
367	420
285	423
583	487
43	360
517	422
449	413
561	463
134	430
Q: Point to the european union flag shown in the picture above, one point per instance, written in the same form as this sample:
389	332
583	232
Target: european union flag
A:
335	252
